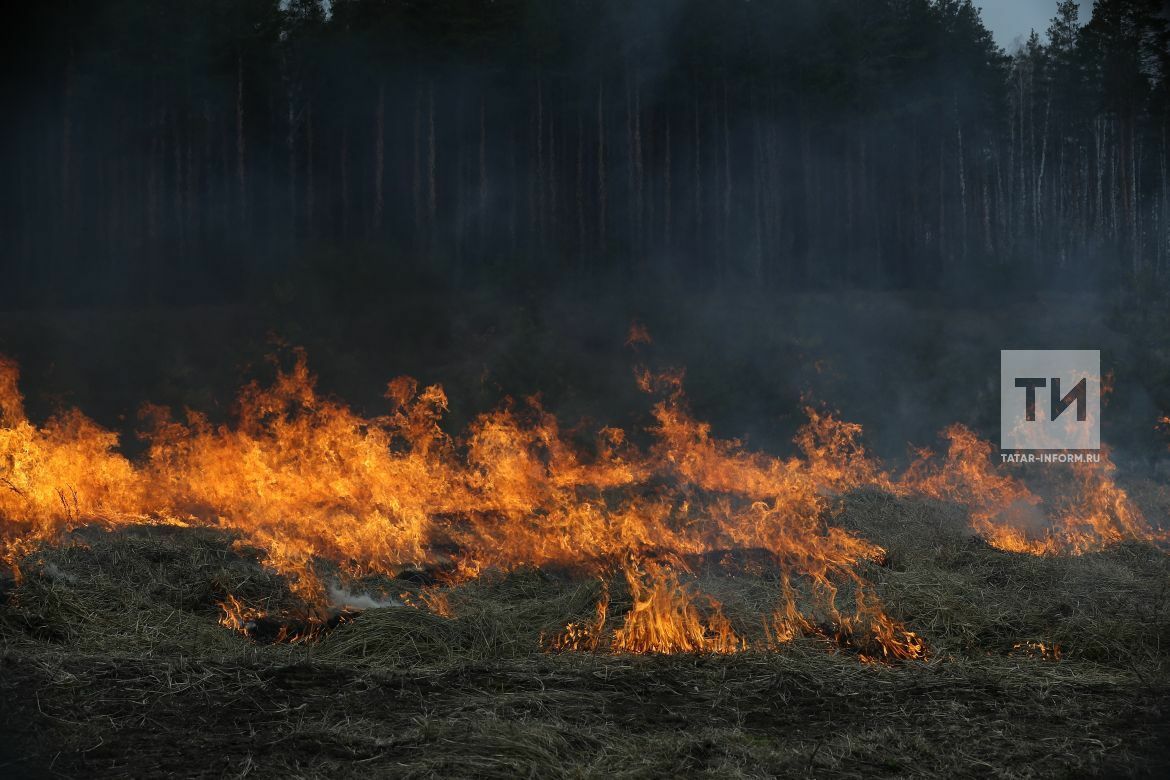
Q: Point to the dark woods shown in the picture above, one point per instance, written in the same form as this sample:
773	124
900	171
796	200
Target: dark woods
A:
208	149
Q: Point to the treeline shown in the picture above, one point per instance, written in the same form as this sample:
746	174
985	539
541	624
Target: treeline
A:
200	149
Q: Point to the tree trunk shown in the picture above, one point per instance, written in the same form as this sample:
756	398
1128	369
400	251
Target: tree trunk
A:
601	193
291	144
666	190
310	188
241	175
483	174
432	161
345	211
379	157
540	172
580	186
639	172
416	167
67	140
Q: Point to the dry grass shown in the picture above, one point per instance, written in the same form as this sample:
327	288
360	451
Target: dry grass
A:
113	663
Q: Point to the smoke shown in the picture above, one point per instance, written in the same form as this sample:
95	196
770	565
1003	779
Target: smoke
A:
1026	517
56	573
341	599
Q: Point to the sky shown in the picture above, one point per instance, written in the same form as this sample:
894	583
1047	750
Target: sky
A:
1012	20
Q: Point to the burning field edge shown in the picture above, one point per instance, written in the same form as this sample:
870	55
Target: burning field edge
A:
308	591
115	662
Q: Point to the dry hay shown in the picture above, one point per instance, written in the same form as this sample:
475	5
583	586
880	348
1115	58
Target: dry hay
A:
114	663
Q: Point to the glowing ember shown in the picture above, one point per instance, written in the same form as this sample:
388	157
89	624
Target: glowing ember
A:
1045	651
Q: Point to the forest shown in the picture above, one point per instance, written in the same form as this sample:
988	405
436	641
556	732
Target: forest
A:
201	150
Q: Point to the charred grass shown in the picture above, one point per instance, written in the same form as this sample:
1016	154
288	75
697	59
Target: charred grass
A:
113	663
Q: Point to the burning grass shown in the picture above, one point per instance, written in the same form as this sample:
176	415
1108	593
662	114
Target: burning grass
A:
305	479
115	662
347	588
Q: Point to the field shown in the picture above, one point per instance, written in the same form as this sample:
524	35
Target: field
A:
465	586
115	662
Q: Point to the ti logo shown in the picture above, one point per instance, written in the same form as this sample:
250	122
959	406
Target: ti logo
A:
1050	399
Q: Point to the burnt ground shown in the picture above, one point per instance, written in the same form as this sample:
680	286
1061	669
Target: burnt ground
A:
114	663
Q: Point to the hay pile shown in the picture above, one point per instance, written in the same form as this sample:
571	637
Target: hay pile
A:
114	663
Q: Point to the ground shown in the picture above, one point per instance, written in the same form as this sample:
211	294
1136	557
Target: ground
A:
115	663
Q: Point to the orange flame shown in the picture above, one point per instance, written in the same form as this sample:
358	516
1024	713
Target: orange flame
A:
1089	514
237	615
304	477
666	619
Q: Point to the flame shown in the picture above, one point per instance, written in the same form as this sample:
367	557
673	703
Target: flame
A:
666	618
996	500
58	476
237	615
1090	510
585	635
871	628
1099	512
304	478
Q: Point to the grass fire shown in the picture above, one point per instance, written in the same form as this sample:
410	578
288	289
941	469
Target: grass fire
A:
303	531
585	389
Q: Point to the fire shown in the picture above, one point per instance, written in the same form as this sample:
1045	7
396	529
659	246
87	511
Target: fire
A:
996	500
669	616
873	629
585	635
304	478
666	618
1089	510
58	476
1099	512
1046	651
237	615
